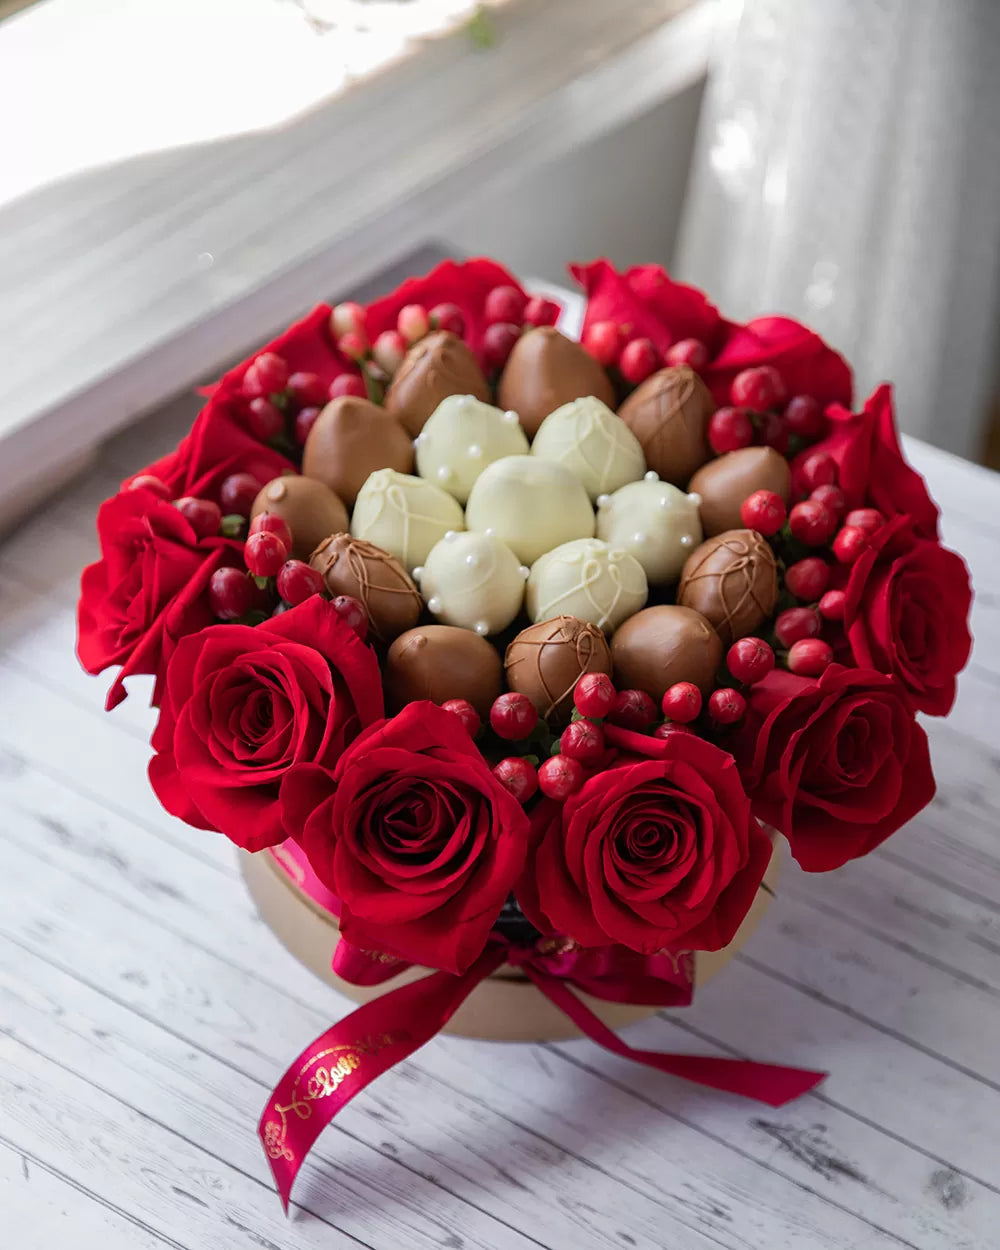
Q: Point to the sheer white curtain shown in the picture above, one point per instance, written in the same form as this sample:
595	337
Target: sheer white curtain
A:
848	172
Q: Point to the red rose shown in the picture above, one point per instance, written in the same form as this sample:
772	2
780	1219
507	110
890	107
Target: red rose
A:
147	590
652	853
649	302
415	835
806	364
871	469
244	705
837	763
906	613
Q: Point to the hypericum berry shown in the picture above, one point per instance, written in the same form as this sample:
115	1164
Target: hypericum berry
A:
632	709
237	493
773	432
498	343
413	322
809	657
517	776
759	388
808	578
540	311
763	511
638	360
147	481
298	581
691	352
267	375
750	660
353	345
849	543
264	420
347	318
804	416
593	695
264	553
868	519
305	419
469	717
202	515
812	523
347	384
796	623
271	523
513	716
448	317
729	429
671	727
231	594
505	304
389	349
584	741
726	706
603	341
831	605
682	702
307	388
352	612
831	497
560	776
818	468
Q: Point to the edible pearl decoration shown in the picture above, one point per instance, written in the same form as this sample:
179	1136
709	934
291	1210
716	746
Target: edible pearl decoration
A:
655	522
404	515
587	579
530	504
462	436
474	581
593	443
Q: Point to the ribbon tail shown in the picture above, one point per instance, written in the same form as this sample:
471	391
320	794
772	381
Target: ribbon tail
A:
766	1082
346	1058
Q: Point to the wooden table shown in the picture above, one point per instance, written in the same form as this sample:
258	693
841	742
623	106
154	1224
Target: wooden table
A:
145	1011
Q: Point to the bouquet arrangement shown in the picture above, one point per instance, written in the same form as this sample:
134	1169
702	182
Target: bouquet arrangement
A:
525	646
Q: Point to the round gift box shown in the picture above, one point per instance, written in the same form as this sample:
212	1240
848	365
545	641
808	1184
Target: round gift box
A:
505	1007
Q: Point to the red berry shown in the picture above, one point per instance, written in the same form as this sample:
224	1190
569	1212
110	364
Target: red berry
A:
448	317
146	481
353	345
498	343
348	318
849	544
469	717
271	372
271	523
773	432
812	523
632	709
796	623
808	578
831	497
671	727
593	695
831	606
237	493
305	419
750	660
516	775
726	706
868	519
297	582
816	468
540	311
347	384
230	594
584	741
760	388
307	389
264	420
505	303
682	702
264	553
513	716
389	349
412	322
804	416
560	776
763	511
352	611
202	515
691	352
809	657
603	341
730	429
638	360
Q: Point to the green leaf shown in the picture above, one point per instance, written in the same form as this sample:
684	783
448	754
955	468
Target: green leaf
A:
262	583
233	525
481	29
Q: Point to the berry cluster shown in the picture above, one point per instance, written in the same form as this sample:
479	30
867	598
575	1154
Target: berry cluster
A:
760	412
283	405
637	358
